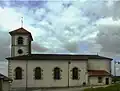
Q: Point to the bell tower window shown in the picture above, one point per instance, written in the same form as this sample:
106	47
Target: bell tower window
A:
20	40
20	51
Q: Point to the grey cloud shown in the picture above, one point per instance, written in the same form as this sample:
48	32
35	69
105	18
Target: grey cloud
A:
4	45
109	38
65	35
2	3
96	9
63	30
68	28
101	9
38	48
71	47
116	10
20	3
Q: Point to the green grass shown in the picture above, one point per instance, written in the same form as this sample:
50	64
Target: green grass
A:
115	87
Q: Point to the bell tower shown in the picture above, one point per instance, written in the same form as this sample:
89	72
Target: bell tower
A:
20	42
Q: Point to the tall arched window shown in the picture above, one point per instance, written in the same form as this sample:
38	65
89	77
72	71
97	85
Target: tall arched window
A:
20	40
18	73
57	73
38	73
75	73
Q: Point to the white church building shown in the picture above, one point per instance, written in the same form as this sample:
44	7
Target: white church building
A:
53	70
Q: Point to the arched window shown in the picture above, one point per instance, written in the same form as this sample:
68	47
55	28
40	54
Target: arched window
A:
38	73
57	73
18	73
20	40
75	73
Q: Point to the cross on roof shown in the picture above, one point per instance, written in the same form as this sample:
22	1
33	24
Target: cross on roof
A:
21	21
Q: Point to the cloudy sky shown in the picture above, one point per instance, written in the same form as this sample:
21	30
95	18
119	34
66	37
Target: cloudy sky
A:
63	26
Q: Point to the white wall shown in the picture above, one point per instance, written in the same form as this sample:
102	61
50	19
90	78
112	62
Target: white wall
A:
82	65
12	65
15	48
24	49
99	64
94	80
47	67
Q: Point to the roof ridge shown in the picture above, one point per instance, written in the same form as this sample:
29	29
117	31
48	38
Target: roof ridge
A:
57	57
19	29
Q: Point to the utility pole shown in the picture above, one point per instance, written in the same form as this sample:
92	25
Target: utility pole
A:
114	68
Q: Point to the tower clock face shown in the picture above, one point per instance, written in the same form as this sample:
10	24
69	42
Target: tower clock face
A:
20	51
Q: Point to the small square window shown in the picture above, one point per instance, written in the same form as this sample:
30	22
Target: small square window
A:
99	79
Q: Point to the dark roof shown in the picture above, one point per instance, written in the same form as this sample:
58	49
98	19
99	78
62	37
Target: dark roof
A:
56	57
5	78
98	73
21	31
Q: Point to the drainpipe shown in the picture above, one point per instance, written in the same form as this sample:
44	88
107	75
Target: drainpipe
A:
68	73
26	74
114	68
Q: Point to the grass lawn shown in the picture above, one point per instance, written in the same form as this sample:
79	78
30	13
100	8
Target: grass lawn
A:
115	87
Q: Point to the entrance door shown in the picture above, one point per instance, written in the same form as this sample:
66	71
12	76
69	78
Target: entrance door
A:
107	81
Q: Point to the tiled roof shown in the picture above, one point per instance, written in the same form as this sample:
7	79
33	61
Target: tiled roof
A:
21	31
98	73
57	57
5	78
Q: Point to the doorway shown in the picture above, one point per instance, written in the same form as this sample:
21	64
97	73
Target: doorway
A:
107	81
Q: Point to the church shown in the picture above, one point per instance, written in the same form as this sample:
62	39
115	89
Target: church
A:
34	71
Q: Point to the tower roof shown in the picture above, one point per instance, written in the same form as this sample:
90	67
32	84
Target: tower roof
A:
21	31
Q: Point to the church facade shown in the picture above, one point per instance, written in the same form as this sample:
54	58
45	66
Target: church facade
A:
53	70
